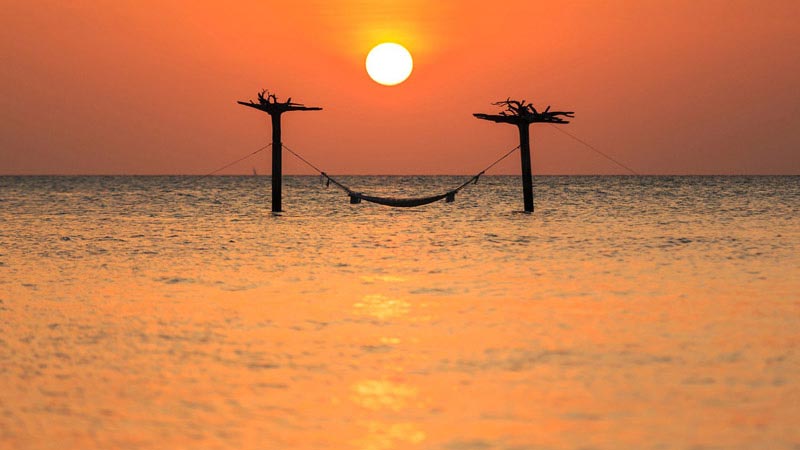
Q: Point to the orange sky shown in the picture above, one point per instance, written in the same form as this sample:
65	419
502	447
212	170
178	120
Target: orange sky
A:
133	87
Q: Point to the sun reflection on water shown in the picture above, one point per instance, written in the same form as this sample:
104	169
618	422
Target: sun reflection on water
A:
383	394
384	278
382	307
384	436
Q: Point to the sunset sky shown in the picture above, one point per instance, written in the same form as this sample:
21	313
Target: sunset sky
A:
145	87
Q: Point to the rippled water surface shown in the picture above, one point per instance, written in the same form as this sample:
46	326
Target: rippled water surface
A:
178	312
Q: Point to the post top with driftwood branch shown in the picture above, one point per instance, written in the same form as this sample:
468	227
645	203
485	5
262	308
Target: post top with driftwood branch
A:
268	102
520	113
523	114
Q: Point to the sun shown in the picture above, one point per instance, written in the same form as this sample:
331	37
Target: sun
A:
389	64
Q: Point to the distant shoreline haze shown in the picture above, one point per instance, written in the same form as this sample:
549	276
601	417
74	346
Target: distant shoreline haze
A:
410	175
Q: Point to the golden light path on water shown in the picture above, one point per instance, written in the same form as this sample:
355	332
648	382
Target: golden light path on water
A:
142	313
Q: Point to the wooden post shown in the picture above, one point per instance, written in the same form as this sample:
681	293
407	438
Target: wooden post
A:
277	163
269	104
522	115
525	160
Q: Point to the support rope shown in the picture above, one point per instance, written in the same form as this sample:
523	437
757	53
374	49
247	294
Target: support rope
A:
356	197
238	160
591	147
193	180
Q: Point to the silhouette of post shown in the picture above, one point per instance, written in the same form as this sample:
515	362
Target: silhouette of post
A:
523	115
525	160
269	104
277	163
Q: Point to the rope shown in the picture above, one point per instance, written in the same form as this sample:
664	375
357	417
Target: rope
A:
590	146
475	178
321	172
330	180
302	159
500	159
193	180
238	160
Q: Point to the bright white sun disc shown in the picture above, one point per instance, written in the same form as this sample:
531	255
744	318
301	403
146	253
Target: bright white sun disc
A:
389	64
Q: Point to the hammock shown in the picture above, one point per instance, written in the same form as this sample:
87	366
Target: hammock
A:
356	197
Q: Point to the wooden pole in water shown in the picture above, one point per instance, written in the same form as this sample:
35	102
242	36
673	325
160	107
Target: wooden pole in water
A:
269	104
525	161
522	115
277	162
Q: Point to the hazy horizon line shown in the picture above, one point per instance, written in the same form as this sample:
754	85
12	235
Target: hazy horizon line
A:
405	175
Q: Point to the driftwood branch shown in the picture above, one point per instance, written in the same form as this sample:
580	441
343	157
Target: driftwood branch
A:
268	102
519	112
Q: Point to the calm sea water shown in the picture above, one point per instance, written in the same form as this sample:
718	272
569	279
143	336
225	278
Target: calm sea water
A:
178	312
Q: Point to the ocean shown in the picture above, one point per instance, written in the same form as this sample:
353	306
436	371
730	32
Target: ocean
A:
178	312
